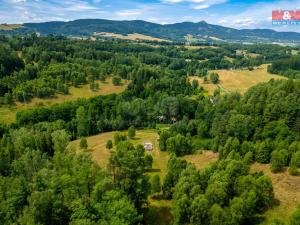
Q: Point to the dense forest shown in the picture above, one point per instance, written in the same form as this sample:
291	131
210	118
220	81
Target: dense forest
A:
46	181
287	67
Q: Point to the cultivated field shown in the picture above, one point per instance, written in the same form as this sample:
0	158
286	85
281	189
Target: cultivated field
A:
238	80
8	114
134	36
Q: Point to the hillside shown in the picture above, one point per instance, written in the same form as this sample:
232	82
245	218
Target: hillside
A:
200	31
8	113
237	80
136	93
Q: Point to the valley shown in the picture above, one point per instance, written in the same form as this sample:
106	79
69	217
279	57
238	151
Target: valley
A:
148	132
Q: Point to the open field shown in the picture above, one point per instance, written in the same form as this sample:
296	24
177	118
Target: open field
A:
286	189
101	154
8	114
247	54
238	80
229	59
203	159
134	36
96	145
10	26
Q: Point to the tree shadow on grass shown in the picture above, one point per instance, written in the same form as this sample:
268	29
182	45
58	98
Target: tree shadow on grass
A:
259	219
155	215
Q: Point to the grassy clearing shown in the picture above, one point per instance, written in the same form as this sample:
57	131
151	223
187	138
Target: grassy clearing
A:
10	26
246	54
229	59
238	80
202	159
134	36
101	154
286	189
159	212
295	52
8	114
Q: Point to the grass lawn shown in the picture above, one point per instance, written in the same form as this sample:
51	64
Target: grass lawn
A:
96	145
286	189
8	114
238	80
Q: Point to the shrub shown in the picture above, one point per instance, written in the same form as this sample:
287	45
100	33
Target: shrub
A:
83	143
109	144
179	145
278	160
214	77
131	132
116	80
148	161
195	84
118	137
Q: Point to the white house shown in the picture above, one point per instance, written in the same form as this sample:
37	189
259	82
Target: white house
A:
148	146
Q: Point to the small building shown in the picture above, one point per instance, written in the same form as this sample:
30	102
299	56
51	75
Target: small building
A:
148	146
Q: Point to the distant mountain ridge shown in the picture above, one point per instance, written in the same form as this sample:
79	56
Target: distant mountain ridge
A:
201	31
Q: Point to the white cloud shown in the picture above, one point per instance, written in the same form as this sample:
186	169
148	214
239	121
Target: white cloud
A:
179	1
126	13
204	6
196	4
18	1
243	22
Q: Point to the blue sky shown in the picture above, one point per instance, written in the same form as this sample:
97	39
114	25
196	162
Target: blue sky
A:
232	13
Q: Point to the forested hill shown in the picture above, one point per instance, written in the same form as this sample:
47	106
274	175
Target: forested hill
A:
200	31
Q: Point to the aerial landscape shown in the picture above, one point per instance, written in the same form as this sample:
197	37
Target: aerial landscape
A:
155	112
